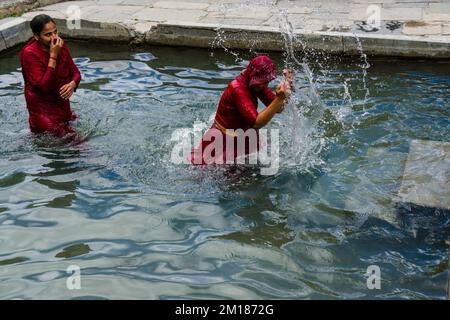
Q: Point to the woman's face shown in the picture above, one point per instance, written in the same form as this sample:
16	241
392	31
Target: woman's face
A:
47	34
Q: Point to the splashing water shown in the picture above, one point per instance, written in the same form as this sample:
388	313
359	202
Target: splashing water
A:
303	141
287	236
364	67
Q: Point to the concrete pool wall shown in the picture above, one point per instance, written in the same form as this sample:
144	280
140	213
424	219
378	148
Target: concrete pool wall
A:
418	28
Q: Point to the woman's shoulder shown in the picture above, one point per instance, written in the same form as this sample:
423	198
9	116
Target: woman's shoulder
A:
30	52
30	46
238	87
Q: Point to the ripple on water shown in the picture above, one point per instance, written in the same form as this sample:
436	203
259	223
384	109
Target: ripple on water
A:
132	220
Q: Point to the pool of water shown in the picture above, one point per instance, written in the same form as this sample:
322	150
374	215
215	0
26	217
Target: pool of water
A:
140	226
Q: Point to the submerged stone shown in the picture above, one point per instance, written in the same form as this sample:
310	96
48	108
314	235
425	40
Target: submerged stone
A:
426	178
423	202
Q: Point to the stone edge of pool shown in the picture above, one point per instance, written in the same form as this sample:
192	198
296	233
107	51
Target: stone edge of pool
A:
15	31
17	7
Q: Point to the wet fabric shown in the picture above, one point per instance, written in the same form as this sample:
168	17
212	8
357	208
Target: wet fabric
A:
237	109
48	112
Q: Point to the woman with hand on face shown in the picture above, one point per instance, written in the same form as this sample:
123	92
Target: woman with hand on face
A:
51	77
237	109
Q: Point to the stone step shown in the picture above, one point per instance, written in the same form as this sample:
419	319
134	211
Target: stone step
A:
426	178
13	31
423	200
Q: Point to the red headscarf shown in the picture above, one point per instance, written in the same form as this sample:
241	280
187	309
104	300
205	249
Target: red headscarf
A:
260	70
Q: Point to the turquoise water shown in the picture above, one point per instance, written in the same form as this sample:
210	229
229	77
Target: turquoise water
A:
140	226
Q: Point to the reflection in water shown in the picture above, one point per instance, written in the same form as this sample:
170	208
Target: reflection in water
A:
142	227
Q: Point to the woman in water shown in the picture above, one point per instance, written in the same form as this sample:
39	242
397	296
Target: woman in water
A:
237	109
50	77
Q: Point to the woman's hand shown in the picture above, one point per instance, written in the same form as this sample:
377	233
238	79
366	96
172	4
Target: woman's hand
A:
55	46
67	90
289	79
281	95
281	90
285	88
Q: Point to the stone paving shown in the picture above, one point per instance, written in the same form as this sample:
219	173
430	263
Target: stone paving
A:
407	17
416	28
17	7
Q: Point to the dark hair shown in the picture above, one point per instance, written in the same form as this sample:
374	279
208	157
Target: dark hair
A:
38	23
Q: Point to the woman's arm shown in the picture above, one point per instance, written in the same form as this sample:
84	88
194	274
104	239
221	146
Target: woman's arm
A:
276	106
74	71
68	89
266	96
38	74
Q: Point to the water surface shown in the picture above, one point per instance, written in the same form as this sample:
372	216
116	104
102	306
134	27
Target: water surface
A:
140	226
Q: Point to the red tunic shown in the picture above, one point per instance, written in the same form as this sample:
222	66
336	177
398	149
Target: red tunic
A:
47	110
237	110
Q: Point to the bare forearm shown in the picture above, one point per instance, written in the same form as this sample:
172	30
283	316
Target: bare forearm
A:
267	114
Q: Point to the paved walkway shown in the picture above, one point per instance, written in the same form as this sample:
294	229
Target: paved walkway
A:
406	27
18	7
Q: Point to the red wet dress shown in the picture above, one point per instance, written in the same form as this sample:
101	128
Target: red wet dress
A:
237	109
48	112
